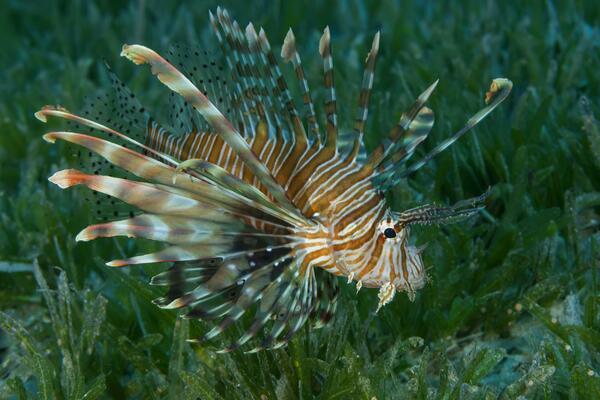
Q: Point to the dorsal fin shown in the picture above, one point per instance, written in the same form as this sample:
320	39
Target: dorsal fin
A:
499	90
382	151
260	71
232	51
299	134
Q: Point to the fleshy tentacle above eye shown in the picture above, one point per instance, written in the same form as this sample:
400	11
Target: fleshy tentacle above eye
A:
430	214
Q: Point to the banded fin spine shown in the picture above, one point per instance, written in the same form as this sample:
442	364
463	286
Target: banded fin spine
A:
365	96
416	133
290	53
299	137
258	60
329	82
206	71
413	128
244	96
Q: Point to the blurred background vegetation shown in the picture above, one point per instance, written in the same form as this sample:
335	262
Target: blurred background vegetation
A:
512	307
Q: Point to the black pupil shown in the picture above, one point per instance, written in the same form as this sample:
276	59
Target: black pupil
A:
389	233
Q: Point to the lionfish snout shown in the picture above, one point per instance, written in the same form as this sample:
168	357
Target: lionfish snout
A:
402	268
412	275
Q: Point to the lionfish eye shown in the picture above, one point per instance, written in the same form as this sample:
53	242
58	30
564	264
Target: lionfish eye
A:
389	233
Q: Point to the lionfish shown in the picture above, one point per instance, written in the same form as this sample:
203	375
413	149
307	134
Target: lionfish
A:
261	209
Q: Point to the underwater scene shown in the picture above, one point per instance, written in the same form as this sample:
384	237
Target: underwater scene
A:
299	200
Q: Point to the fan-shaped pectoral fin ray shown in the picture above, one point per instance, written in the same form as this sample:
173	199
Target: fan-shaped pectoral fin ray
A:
137	164
291	312
145	196
178	230
127	159
262	282
154	227
207	283
234	197
253	289
63	113
222	178
172	254
177	82
277	292
295	314
326	301
188	252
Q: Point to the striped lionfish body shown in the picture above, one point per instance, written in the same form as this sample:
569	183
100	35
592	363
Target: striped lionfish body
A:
261	208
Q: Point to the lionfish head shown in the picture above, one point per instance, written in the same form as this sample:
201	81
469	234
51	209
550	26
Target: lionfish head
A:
398	264
406	270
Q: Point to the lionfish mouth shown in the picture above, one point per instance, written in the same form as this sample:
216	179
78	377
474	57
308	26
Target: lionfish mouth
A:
233	188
